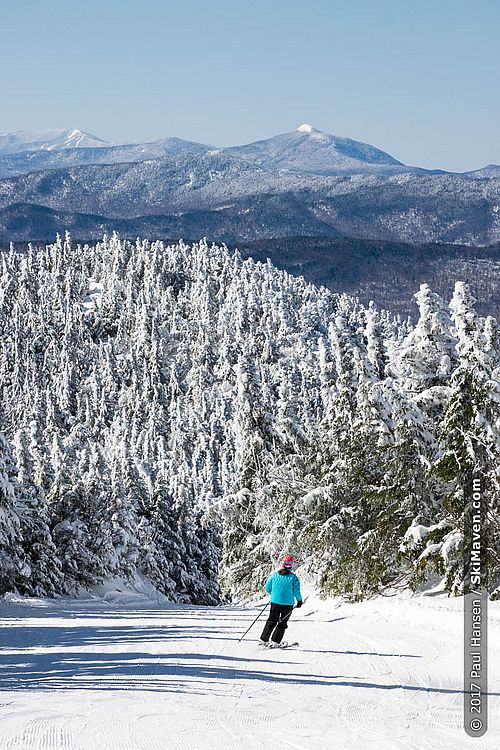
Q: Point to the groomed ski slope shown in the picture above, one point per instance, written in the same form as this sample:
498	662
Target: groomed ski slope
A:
121	673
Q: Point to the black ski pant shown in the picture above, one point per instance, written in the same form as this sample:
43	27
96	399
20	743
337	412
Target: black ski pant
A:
277	622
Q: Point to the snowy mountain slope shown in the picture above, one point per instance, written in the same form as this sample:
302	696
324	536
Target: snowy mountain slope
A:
410	208
305	150
36	222
48	140
310	151
338	185
177	183
263	217
13	164
491	170
122	672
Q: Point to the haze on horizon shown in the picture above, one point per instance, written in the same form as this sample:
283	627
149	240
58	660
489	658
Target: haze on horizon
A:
416	81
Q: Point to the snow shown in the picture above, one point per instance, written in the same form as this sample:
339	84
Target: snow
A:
314	495
416	534
431	549
112	671
93	297
53	139
315	134
451	545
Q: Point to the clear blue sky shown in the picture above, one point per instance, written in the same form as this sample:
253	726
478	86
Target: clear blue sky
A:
420	80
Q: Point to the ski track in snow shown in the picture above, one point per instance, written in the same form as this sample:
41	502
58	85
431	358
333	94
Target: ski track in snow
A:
90	675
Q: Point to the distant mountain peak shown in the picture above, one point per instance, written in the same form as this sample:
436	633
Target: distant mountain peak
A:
490	170
75	137
54	139
308	150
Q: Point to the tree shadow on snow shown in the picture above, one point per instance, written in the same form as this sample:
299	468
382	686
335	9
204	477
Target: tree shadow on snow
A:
55	656
28	637
180	672
358	653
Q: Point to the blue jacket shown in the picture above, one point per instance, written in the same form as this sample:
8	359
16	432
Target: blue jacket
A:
284	589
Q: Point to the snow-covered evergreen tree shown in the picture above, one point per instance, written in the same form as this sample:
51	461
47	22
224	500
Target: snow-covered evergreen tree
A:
13	567
182	413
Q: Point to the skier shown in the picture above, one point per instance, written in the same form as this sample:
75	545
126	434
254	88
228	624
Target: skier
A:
284	587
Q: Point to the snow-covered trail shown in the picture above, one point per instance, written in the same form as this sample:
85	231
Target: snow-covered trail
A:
98	675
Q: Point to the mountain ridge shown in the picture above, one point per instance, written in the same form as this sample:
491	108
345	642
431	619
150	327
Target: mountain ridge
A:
306	150
52	139
311	151
403	207
56	140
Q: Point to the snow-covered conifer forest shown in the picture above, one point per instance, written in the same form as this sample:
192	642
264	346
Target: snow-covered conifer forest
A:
182	413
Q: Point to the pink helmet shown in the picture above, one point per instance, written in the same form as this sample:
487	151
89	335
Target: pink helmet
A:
288	561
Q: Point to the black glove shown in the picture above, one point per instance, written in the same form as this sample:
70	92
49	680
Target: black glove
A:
299	604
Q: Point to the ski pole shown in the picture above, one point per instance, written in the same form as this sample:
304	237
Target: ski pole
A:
253	623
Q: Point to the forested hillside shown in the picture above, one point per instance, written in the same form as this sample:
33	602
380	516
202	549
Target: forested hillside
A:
183	413
387	272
